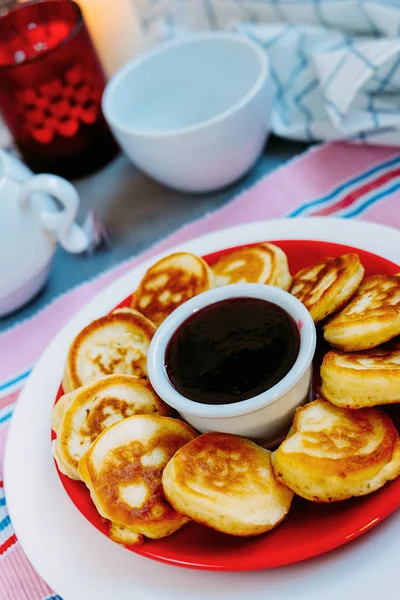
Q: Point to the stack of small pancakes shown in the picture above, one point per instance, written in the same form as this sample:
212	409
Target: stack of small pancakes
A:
340	446
149	473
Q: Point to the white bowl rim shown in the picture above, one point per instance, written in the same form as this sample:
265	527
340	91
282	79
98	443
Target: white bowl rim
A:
125	71
155	358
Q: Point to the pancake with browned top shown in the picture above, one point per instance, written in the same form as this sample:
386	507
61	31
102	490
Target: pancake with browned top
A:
370	319
326	286
80	416
263	263
169	283
116	343
333	453
226	482
362	379
123	469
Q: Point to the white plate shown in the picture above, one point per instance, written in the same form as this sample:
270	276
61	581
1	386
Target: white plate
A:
81	563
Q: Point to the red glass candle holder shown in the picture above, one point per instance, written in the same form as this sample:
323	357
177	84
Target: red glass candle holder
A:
51	84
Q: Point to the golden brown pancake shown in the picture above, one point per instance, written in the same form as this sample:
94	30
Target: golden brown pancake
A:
362	379
226	482
80	416
116	343
123	469
124	536
264	263
328	285
370	319
333	453
169	283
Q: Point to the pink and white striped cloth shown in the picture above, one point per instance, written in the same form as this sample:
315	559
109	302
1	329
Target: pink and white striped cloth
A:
334	179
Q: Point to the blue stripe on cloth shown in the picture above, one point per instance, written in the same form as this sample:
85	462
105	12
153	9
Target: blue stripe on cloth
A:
388	78
335	71
306	90
304	109
5	417
360	55
16	379
276	38
388	111
5	523
371	109
370	133
56	597
280	93
343	186
299	68
2	501
372	200
335	109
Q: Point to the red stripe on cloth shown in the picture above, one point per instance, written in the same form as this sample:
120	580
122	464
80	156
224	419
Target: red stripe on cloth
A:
7	400
7	544
1	483
354	195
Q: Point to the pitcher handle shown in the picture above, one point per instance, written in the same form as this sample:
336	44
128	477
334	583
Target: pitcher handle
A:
60	224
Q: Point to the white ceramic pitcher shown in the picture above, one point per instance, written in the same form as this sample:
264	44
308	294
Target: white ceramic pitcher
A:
31	224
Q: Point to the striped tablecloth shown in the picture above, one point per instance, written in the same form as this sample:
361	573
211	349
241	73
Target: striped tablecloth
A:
334	179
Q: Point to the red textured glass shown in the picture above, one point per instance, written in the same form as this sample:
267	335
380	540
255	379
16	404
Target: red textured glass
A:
51	84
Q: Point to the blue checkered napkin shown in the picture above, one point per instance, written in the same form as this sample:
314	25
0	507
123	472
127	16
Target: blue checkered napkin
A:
335	64
329	85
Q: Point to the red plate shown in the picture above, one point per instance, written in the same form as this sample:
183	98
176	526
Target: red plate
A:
310	529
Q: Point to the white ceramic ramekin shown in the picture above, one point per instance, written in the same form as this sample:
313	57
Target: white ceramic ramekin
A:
265	418
193	113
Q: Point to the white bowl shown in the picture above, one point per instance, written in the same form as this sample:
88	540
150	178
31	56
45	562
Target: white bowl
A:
193	113
265	418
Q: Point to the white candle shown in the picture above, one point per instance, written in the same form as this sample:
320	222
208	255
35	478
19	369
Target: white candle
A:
115	29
